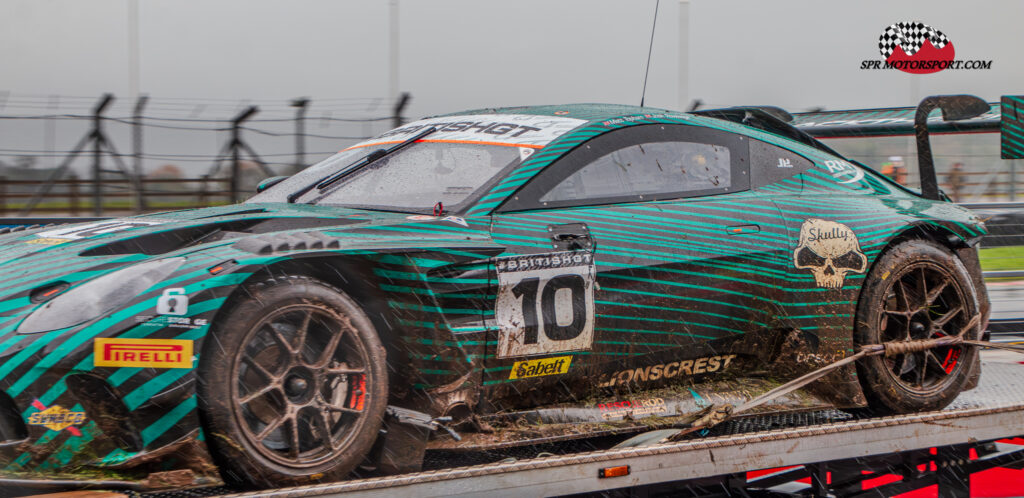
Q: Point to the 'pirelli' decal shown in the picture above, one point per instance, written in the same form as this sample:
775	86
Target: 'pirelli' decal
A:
143	353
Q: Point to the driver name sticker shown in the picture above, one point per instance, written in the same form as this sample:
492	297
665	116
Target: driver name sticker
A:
545	303
91	229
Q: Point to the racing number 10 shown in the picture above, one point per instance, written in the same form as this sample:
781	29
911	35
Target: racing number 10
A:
545	304
527	288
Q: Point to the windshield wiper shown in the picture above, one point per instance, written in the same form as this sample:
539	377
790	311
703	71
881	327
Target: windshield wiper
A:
367	160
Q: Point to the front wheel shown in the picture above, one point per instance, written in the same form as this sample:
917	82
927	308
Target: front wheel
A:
293	385
917	290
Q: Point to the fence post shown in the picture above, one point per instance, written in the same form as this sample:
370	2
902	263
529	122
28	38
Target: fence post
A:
236	148
202	190
3	196
396	117
300	133
97	153
140	197
1013	180
73	194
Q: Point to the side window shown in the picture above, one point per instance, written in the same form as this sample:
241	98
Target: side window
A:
640	163
646	169
771	164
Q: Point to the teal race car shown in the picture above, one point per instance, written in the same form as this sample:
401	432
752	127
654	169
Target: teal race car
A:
481	280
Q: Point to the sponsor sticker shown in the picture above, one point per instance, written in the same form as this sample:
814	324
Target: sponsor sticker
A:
174	322
172	302
844	171
545	303
456	220
541	367
421	217
830	250
143	353
56	418
47	241
523	130
650	373
92	229
632	408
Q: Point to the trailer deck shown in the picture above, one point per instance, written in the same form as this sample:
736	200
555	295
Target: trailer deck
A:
993	411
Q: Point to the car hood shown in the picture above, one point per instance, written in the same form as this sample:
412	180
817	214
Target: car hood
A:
30	259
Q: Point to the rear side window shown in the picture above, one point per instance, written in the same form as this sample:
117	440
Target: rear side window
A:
639	164
771	164
648	168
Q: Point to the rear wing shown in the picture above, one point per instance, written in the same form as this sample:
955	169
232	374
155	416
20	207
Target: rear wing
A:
1012	127
1005	117
892	121
960	114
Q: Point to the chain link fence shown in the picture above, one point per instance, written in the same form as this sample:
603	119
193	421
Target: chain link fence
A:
62	155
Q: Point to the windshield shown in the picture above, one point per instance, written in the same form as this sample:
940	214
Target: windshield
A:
456	159
415	179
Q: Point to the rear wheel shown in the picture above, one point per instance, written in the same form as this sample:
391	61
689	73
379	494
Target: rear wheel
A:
293	385
917	290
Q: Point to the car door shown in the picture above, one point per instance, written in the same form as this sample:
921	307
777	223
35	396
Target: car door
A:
645	216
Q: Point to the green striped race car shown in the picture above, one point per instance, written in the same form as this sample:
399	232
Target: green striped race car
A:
477	281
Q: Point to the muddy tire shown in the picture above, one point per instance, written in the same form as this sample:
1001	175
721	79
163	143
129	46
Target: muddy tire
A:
916	290
292	385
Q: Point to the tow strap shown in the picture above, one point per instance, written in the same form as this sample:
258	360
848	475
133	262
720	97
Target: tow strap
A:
717	414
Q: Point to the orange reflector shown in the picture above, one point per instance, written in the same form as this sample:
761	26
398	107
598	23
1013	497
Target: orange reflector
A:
622	470
221	267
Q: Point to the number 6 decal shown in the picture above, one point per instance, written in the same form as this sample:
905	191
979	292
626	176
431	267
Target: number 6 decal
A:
545	303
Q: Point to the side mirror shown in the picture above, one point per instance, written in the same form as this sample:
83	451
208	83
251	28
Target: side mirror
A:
270	182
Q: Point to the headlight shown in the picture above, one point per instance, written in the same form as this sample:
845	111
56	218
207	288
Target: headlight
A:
98	296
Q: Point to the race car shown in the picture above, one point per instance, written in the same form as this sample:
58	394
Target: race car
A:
480	280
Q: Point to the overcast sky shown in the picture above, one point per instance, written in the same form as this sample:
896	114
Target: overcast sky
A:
463	54
471	53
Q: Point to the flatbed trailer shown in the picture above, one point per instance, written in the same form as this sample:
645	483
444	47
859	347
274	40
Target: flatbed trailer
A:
835	454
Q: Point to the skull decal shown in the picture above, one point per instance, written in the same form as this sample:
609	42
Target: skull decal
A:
830	250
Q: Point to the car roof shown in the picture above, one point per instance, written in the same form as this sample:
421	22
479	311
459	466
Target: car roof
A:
588	112
714	118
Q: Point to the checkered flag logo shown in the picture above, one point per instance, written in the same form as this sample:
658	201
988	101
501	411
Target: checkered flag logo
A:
910	36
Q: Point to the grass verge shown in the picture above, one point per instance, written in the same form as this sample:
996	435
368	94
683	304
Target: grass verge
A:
1002	258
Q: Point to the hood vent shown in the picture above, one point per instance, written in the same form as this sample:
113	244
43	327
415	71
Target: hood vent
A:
235	213
166	241
284	242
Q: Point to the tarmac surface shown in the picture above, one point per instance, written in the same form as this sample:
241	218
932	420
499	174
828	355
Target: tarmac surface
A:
1007	299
